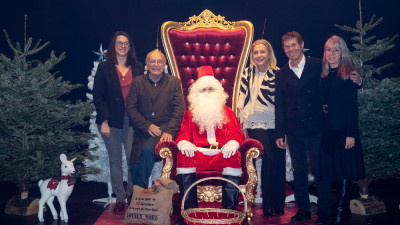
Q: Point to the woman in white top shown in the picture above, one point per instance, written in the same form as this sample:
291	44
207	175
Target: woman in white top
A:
256	114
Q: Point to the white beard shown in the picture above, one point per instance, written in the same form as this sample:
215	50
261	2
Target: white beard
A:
208	109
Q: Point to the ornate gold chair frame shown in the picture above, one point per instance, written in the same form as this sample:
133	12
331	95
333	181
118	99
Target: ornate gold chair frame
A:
211	40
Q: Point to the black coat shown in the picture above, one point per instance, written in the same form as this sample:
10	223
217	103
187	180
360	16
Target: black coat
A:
298	107
341	98
107	94
161	105
341	121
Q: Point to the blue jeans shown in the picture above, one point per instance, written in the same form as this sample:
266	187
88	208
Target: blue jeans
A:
142	171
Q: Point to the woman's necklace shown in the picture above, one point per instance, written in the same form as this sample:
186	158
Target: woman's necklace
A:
123	70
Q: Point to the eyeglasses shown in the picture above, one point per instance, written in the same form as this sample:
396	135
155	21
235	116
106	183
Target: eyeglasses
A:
120	43
154	62
207	89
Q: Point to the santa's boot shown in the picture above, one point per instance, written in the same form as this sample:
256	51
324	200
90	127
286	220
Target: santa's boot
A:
230	192
343	206
184	181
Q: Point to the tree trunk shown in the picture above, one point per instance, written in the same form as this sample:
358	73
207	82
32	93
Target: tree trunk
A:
22	204
363	185
24	189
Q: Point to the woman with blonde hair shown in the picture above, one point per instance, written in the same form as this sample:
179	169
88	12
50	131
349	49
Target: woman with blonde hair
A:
341	154
256	114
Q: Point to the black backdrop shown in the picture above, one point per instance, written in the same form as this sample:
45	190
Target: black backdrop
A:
78	27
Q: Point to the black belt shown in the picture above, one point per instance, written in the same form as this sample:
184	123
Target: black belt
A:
211	147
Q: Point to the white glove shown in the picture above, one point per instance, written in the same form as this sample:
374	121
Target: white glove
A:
187	148
229	149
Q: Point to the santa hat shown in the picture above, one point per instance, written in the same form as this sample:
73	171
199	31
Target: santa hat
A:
206	79
205	72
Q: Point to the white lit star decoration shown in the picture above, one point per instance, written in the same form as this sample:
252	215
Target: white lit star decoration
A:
101	54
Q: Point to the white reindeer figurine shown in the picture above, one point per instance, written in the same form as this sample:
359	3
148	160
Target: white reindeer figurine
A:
51	188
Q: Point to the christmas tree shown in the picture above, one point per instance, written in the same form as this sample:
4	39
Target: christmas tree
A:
379	103
36	123
96	143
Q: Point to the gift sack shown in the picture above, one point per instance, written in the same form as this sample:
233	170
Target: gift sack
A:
150	206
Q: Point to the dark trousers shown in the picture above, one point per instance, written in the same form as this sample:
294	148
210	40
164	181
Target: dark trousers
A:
119	137
142	171
299	148
272	169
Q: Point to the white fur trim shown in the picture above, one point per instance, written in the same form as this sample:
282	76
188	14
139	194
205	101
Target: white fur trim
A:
232	171
212	140
207	151
185	170
206	77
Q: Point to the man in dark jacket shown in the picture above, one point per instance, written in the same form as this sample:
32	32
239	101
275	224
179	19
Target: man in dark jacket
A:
155	106
298	116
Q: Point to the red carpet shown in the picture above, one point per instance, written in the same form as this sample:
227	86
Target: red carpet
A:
110	218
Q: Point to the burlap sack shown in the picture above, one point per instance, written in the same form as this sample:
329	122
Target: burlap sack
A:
151	206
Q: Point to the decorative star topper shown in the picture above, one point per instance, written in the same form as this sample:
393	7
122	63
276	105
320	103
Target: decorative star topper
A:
101	54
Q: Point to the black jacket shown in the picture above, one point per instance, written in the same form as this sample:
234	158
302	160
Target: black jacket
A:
341	98
298	107
107	94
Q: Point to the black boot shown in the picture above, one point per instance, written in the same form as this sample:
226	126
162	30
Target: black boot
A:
230	193
324	219
343	206
184	181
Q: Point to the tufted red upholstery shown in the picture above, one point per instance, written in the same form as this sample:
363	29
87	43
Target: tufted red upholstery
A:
208	46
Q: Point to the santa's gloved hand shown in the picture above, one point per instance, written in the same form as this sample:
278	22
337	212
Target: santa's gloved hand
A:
187	148
229	149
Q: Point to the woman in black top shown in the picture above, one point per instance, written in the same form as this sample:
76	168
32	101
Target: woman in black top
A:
341	153
111	87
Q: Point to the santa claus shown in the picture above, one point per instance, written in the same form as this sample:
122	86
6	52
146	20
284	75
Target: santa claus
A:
209	138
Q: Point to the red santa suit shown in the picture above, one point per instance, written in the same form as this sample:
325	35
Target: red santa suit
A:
212	159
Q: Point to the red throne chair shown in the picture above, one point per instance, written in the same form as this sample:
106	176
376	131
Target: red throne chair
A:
210	40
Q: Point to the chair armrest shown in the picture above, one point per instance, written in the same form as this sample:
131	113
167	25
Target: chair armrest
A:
165	144
250	149
167	150
250	143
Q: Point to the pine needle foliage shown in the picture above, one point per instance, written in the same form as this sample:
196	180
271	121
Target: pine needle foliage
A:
379	100
36	124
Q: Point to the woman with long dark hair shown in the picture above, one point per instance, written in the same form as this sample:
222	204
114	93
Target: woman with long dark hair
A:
111	87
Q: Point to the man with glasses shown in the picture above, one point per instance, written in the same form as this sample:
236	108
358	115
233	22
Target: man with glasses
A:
155	106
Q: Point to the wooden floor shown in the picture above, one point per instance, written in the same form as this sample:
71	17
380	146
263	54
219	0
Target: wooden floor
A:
82	211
